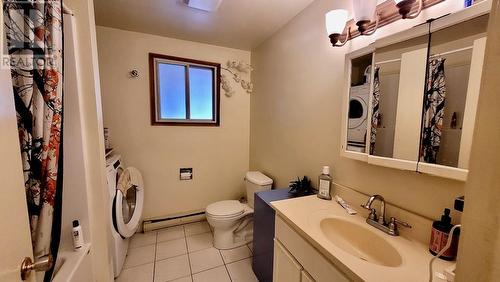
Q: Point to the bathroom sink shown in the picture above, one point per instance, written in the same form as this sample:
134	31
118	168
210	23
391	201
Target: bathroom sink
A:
360	241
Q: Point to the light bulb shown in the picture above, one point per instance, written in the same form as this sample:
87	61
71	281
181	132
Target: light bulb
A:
364	10
335	21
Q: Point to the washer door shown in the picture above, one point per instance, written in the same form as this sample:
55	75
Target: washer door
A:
128	207
358	112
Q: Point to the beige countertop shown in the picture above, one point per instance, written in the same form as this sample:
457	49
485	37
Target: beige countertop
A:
304	215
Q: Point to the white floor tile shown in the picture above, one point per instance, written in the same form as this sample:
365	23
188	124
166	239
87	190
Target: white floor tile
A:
199	242
143	273
241	271
196	228
236	254
140	255
218	274
172	268
205	259
171	248
143	239
171	233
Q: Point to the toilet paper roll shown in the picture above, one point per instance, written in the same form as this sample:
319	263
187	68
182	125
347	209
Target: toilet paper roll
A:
186	175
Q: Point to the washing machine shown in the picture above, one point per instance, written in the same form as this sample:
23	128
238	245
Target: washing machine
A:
126	199
358	117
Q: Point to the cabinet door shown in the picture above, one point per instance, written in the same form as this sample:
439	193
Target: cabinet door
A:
305	277
398	86
454	78
286	268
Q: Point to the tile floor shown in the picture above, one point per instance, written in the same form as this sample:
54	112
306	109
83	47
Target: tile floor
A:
184	253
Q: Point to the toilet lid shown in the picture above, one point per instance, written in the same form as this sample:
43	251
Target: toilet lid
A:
225	208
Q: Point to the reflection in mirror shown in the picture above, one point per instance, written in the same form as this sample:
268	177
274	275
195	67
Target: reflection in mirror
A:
398	87
444	107
385	100
359	94
446	92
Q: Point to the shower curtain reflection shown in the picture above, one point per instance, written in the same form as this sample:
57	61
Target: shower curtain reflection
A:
433	111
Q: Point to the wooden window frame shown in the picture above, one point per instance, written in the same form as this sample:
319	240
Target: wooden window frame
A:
153	85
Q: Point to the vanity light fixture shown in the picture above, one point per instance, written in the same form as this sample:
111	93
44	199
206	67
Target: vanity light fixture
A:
405	6
368	17
364	11
335	21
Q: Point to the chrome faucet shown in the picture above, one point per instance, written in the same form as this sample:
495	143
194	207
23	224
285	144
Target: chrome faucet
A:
379	222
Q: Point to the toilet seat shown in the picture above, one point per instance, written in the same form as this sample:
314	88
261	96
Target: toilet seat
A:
225	209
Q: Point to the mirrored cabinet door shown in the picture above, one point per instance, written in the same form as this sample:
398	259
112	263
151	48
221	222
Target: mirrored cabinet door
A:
450	98
384	107
398	84
358	104
410	99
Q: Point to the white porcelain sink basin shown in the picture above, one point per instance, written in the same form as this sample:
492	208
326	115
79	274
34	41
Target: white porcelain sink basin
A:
360	242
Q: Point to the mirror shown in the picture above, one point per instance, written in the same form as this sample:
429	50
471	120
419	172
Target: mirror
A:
412	97
385	100
358	104
399	78
449	100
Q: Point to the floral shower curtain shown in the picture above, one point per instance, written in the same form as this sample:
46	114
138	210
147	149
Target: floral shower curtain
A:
375	109
35	46
433	111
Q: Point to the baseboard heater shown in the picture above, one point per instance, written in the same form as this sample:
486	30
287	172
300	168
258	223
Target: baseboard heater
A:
172	220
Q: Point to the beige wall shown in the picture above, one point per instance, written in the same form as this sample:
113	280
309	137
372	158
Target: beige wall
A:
93	140
296	113
479	252
219	156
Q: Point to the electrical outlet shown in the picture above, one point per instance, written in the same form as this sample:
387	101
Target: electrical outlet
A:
186	173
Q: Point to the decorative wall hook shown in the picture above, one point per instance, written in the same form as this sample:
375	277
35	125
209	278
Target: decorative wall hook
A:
236	69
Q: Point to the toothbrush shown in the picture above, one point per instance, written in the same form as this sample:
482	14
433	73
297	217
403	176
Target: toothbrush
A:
345	205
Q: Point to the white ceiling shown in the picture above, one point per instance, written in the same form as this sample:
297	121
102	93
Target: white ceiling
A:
241	24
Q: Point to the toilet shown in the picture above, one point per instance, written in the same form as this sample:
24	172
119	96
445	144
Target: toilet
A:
231	220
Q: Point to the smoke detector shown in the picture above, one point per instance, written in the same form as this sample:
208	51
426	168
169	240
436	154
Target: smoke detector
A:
205	5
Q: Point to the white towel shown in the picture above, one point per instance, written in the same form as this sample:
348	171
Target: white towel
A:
131	177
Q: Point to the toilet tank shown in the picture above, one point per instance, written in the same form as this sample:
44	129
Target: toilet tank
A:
256	181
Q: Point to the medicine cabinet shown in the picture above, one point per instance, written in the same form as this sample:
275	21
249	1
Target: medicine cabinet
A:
412	97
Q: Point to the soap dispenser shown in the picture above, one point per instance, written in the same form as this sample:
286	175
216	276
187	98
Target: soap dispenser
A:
439	236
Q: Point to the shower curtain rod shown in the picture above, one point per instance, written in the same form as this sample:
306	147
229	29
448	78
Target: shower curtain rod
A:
387	62
67	10
452	51
432	56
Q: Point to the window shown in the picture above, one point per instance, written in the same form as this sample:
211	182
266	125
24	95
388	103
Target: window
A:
184	91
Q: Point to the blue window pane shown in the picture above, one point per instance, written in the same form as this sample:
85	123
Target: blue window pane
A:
172	86
201	92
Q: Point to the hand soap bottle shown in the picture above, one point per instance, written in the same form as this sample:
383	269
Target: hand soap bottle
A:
325	184
439	236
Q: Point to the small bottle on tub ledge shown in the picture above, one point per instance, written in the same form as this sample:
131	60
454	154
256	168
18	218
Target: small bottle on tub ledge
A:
325	184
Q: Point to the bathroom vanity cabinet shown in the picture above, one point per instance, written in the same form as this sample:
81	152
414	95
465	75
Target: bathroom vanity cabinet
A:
295	260
263	234
316	240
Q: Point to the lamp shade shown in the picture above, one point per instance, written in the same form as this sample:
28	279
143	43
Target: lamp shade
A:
335	21
364	10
